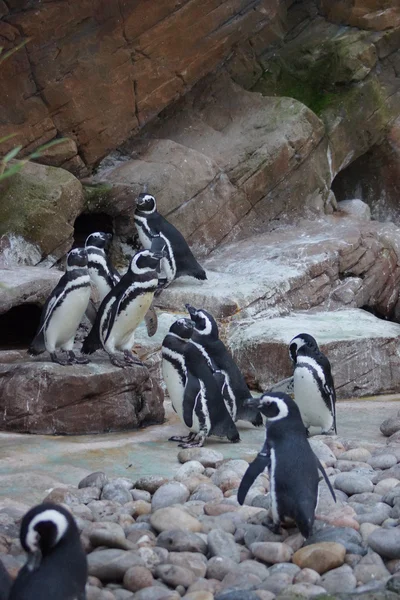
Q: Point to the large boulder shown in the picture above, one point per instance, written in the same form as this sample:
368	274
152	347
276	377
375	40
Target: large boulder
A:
42	397
97	71
361	348
40	205
374	14
27	285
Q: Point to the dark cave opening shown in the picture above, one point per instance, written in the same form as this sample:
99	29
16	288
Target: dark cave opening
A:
88	223
18	326
379	315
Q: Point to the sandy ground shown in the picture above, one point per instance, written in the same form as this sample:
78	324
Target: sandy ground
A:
32	464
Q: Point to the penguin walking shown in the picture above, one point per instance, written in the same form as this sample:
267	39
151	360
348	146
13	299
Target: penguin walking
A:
102	273
314	390
173	368
179	259
292	465
204	410
56	566
63	312
123	309
234	388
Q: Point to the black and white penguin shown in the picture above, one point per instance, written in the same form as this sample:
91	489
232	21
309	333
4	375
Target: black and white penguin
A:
234	388
5	582
204	410
292	465
314	390
56	566
173	365
123	309
102	273
179	259
63	311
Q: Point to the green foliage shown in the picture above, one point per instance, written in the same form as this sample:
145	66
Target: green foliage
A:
6	169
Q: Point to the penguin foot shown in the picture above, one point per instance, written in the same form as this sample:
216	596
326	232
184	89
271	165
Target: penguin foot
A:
60	361
117	361
182	438
131	359
273	527
196	442
78	360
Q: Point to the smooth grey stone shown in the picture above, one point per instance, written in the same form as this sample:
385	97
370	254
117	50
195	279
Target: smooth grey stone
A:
367	498
255	567
377	515
259	533
288	568
111	564
97	479
209	523
174	575
393	584
276	583
353	483
221	543
140	495
240	581
168	494
219	566
262	501
341	535
371	567
340	580
390	497
382	461
178	540
386	542
116	493
237	595
207	492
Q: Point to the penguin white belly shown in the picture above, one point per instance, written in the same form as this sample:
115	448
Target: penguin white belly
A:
65	319
174	385
100	283
123	329
274	500
313	409
144	239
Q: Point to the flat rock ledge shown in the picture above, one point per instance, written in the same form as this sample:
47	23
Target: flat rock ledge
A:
37	396
188	538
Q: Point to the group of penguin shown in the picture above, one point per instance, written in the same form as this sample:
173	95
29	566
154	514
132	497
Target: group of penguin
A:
206	387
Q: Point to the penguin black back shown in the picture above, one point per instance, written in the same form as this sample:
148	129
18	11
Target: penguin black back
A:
235	390
56	566
5	582
292	464
151	224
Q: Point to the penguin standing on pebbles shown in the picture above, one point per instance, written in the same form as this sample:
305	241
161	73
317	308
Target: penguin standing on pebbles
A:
314	390
63	312
123	309
293	466
102	273
174	367
179	259
56	566
234	388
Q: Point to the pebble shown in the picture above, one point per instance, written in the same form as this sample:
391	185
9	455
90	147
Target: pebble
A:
173	575
323	452
222	522
392	494
205	456
382	461
199	596
371	568
197	563
237	595
222	543
385	542
188	469
240	581
140	495
258	533
379	513
347	536
272	552
112	564
366	529
136	508
87	494
307	576
218	567
352	483
304	590
108	534
321	557
116	493
162	518
356	454
169	493
390	426
207	492
151	483
97	479
340	580
137	578
156	593
214	509
177	540
255	567
276	583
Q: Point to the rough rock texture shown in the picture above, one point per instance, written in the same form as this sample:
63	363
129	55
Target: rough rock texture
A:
26	286
374	14
42	397
41	203
95	72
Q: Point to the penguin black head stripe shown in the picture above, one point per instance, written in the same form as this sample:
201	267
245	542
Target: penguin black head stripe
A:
77	258
273	406
146	203
302	339
182	328
204	322
99	239
43	527
145	261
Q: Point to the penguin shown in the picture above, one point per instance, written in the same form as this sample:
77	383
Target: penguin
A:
179	259
56	566
204	410
234	388
292	465
173	367
5	582
102	273
63	311
314	390
123	309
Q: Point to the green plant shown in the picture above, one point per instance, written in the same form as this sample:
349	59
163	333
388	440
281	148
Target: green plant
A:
7	169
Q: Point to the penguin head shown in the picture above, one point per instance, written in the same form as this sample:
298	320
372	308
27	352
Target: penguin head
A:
204	322
77	258
274	406
145	261
303	339
182	328
43	528
146	203
99	239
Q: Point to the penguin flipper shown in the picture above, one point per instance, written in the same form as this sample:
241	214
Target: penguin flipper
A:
286	386
261	462
192	390
151	321
325	476
92	341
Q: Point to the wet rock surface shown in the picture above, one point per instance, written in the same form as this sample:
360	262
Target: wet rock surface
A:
154	551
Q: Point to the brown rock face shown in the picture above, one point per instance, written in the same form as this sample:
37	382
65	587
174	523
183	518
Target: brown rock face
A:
373	14
42	397
97	71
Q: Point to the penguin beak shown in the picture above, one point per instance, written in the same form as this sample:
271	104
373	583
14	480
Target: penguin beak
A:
191	310
159	255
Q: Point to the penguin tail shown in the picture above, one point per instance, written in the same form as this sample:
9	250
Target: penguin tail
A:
91	342
37	346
